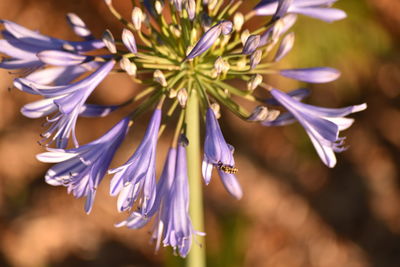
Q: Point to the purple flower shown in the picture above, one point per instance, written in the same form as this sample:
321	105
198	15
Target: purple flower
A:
136	178
219	154
312	75
136	219
209	38
82	169
172	225
175	223
23	45
321	124
319	9
66	100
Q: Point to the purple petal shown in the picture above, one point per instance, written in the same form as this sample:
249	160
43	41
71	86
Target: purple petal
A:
312	75
61	58
325	14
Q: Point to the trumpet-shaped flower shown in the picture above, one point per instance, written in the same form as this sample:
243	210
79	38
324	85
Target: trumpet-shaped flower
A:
136	178
175	223
82	169
219	154
321	124
68	101
319	9
23	47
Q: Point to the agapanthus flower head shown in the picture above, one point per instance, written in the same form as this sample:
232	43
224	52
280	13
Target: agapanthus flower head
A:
82	169
188	55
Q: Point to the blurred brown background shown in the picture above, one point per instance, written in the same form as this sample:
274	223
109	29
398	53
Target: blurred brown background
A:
295	211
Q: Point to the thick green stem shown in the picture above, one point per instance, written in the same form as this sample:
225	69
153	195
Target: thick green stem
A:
196	257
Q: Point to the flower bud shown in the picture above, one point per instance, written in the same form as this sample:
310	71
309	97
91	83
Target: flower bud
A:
128	66
254	82
262	113
226	27
191	9
221	66
159	77
238	21
216	109
159	6
255	59
79	26
178	5
129	41
108	40
251	44
176	30
243	37
137	18
182	97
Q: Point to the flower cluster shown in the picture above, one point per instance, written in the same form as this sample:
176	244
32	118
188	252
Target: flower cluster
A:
182	51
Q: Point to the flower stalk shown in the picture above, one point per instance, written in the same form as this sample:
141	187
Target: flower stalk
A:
197	255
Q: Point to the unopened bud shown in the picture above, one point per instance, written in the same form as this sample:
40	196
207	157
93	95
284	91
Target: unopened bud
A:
182	97
255	59
158	5
243	37
221	65
191	8
216	109
251	44
254	82
159	77
272	115
175	29
129	41
260	113
108	40
238	21
128	66
226	27
137	18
